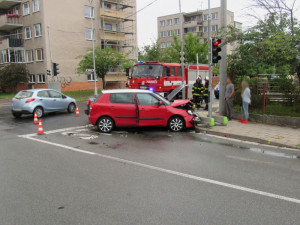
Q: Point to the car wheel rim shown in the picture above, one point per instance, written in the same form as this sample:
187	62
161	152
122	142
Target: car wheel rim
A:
72	108
105	125
176	124
39	112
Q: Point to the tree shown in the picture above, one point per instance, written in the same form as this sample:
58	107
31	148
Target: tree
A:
193	45
11	75
105	60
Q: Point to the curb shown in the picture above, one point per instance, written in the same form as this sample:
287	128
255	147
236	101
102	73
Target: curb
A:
245	138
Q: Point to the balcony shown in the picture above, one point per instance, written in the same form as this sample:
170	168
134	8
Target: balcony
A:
192	23
11	43
112	35
112	14
8	23
6	4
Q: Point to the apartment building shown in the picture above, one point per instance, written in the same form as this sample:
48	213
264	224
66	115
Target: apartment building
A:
29	27
195	22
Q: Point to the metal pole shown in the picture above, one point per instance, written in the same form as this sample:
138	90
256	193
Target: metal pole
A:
223	63
94	60
210	91
50	51
197	56
182	47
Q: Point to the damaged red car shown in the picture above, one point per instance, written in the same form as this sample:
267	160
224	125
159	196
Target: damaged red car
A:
135	107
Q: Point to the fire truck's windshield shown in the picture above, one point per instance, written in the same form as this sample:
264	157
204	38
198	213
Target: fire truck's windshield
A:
147	71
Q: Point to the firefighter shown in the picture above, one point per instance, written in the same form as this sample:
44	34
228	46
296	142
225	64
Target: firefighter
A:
206	93
197	92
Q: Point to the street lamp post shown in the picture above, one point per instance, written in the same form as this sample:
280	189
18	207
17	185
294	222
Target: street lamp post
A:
210	90
93	41
182	47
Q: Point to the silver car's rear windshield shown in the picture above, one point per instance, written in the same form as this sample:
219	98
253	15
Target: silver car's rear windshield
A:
24	94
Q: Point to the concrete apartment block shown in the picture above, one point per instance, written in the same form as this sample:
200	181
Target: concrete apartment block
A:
24	37
195	22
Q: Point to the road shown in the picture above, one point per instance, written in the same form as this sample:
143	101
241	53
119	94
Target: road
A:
75	175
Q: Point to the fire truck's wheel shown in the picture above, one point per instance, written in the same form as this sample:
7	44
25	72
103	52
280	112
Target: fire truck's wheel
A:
176	124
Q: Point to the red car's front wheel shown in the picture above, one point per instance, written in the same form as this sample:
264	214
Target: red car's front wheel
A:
176	124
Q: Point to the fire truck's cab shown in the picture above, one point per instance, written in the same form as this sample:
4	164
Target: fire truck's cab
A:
163	78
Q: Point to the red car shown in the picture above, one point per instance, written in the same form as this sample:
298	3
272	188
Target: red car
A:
135	107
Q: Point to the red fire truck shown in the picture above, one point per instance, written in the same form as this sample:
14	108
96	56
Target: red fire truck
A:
163	78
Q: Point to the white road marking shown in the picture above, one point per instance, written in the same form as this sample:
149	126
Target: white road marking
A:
193	177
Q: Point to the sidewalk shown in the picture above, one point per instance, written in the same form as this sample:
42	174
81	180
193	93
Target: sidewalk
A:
254	132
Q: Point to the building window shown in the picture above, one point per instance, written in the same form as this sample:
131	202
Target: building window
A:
39	54
163	45
205	29
41	78
91	77
32	79
191	29
107	6
214	16
231	19
169	44
169	22
88	11
205	17
177	32
36	5
89	34
108	26
4	56
28	34
162	23
29	56
17	56
37	30
26	8
176	21
170	33
16	10
214	27
163	34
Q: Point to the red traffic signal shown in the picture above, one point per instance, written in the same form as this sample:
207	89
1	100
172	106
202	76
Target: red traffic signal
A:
217	42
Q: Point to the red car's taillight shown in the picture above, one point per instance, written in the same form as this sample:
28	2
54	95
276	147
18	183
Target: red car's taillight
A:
12	100
88	102
30	100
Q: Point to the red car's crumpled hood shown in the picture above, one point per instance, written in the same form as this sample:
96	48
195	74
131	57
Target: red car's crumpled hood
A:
177	103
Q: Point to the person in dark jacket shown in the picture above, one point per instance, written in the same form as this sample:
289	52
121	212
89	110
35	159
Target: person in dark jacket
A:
197	92
206	93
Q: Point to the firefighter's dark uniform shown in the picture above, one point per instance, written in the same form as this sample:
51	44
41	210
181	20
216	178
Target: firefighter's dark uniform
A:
206	94
197	93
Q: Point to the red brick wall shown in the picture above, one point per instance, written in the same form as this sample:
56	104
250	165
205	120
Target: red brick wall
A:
76	86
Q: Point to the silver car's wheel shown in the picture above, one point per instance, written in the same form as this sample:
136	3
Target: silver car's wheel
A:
176	124
39	112
105	124
71	108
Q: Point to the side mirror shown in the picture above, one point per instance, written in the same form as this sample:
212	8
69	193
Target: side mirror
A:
64	96
168	71
160	103
127	71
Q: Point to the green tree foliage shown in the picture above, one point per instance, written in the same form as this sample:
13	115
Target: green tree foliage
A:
105	60
192	46
267	48
11	75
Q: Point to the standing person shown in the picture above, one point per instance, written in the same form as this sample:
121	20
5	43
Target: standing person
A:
197	92
206	93
246	99
229	93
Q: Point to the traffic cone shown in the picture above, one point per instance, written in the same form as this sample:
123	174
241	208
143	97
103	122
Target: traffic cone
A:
77	111
35	120
40	130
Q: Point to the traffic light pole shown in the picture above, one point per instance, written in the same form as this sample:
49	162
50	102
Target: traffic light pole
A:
182	48
210	89
94	60
50	51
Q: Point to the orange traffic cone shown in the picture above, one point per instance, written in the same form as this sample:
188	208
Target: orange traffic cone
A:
77	111
40	130
35	120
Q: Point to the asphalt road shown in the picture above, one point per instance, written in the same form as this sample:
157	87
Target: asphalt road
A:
75	175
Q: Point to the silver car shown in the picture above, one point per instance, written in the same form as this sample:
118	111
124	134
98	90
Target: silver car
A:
41	101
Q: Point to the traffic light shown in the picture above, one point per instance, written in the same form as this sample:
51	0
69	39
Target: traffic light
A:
55	69
215	50
49	72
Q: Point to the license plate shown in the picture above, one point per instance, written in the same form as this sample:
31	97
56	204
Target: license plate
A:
143	87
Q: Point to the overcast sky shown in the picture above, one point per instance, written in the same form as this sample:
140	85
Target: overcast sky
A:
147	19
